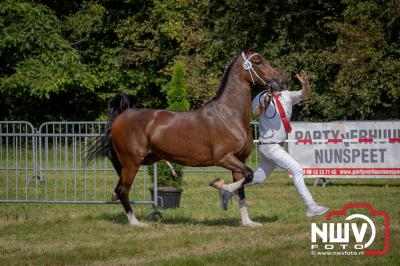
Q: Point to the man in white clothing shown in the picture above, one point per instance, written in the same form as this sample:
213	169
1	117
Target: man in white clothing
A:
274	109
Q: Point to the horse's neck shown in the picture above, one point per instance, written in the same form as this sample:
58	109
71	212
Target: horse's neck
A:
237	99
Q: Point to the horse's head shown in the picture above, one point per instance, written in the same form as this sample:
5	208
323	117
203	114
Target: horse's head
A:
258	71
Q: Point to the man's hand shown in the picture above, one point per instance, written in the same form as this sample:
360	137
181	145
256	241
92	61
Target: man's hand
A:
303	78
267	100
264	103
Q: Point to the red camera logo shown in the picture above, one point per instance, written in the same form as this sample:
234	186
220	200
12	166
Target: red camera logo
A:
334	238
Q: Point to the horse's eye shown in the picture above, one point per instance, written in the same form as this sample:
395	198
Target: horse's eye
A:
258	62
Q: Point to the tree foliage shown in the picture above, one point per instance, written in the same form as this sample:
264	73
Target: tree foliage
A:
177	89
65	59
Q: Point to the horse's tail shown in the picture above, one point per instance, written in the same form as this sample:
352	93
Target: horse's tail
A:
102	145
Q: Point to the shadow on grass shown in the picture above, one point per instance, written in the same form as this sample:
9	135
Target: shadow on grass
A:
234	222
120	218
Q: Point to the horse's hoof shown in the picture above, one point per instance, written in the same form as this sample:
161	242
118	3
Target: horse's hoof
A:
140	224
252	224
225	197
114	197
217	183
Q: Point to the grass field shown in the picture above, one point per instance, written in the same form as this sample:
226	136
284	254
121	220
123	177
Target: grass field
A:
198	233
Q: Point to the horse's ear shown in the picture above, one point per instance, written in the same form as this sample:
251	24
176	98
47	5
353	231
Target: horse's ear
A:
247	47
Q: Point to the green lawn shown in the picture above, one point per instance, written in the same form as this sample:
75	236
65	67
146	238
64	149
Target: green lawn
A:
198	233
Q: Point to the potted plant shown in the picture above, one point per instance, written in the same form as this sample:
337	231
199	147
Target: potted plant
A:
169	184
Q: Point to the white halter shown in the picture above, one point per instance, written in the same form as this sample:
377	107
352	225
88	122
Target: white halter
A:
248	66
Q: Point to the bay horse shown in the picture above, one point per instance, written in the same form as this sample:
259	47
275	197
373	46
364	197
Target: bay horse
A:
217	134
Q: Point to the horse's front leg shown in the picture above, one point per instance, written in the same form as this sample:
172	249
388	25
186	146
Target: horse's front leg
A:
226	192
231	162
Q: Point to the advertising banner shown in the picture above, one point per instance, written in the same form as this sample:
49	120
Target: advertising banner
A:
353	149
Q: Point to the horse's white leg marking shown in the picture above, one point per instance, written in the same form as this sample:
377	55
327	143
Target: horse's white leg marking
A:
134	221
246	221
234	186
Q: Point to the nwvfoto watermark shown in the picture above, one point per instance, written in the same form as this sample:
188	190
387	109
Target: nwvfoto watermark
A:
349	237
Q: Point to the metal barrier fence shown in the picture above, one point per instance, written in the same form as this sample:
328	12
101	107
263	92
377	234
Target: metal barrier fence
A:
45	165
17	160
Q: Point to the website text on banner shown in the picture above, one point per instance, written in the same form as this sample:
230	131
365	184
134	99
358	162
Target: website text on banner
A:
362	149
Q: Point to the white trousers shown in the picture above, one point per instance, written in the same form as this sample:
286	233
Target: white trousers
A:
273	155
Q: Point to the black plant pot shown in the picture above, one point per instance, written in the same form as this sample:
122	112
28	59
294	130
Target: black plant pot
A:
168	197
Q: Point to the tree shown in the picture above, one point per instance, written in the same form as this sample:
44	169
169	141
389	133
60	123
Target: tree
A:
366	60
37	63
177	89
65	59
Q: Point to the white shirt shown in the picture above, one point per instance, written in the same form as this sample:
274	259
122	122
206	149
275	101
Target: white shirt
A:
270	123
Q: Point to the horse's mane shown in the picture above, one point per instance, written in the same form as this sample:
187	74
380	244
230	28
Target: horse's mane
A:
222	82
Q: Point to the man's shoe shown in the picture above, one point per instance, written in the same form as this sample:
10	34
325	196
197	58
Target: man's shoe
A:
315	210
225	197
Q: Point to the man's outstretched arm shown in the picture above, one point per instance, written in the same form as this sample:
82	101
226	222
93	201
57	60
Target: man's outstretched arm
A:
306	90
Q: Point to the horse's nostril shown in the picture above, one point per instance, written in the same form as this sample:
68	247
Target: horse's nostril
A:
277	84
280	83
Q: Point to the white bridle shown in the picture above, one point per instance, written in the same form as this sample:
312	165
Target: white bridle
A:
248	66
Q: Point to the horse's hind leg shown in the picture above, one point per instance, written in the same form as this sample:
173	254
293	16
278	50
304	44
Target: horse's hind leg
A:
148	160
122	190
114	196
